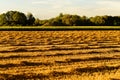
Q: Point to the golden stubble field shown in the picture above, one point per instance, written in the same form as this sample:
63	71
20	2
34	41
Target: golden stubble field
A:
60	55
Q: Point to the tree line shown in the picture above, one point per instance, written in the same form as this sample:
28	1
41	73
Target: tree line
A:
16	18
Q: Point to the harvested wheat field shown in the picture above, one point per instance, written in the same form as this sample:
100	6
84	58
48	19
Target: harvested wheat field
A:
60	55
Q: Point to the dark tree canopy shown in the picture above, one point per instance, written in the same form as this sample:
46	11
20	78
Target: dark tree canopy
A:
16	18
30	19
3	19
75	20
13	18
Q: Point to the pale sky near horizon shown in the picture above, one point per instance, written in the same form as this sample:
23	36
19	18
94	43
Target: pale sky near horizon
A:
45	9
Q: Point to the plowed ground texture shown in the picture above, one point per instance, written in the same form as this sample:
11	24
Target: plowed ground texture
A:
60	55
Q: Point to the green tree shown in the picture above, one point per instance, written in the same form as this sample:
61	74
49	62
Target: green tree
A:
66	20
15	18
19	18
71	20
116	21
30	19
98	20
3	19
37	22
76	20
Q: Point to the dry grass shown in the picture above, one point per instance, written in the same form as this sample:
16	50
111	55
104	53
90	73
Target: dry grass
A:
60	55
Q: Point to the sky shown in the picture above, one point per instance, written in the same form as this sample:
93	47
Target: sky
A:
45	9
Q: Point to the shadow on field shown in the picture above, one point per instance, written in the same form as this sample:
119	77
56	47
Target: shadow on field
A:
14	50
56	48
53	74
7	65
15	56
91	59
58	73
25	63
87	59
22	76
110	46
114	79
59	54
94	69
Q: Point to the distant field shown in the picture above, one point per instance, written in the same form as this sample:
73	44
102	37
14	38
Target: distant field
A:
60	55
60	27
